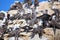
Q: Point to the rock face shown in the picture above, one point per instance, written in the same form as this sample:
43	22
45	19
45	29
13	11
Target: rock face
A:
46	6
57	36
49	35
48	32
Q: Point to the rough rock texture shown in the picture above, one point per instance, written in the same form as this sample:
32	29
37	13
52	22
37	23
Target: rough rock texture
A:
57	5
57	36
46	6
12	12
49	34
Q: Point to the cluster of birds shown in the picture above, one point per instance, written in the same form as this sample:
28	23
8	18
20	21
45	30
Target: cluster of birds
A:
25	16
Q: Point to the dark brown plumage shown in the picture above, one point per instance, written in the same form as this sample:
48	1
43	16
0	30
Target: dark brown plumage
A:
36	3
2	15
16	6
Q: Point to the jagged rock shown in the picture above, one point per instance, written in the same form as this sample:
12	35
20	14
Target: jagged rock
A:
12	12
56	5
22	22
57	36
49	33
45	6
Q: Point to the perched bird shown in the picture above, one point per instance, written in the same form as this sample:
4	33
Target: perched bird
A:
27	28
37	30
